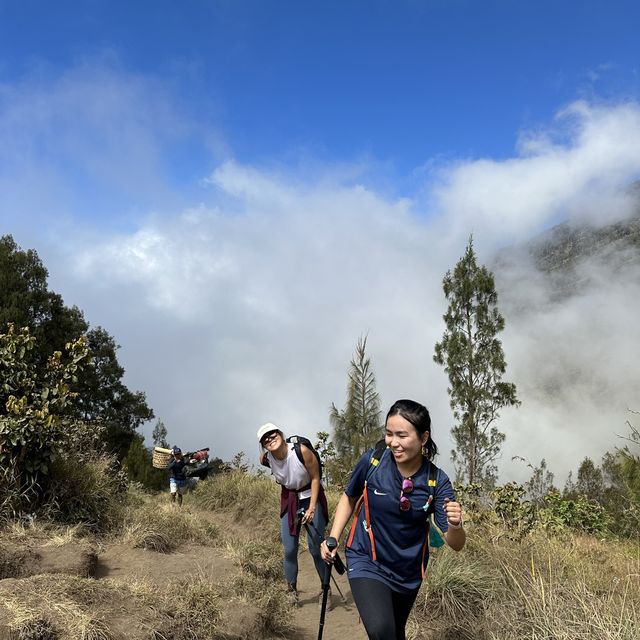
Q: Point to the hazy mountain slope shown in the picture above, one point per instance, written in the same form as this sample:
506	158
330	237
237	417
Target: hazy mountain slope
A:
571	299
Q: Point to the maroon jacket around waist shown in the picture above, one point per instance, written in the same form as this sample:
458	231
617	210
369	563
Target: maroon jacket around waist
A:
289	502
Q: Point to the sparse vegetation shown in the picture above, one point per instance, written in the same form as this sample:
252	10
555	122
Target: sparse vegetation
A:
158	527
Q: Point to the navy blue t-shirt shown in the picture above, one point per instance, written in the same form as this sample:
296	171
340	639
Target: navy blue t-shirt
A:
399	536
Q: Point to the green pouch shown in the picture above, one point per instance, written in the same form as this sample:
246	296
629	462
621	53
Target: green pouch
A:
435	535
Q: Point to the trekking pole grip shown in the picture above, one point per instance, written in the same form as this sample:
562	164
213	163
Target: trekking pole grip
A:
332	543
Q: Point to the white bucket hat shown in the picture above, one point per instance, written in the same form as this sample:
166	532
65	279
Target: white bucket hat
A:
265	428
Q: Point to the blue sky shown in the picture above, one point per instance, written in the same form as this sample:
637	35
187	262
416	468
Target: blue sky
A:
398	82
254	185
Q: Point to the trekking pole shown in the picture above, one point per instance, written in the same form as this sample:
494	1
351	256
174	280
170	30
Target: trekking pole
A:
339	565
332	543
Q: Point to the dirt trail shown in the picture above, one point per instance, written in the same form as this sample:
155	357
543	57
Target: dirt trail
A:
122	563
341	622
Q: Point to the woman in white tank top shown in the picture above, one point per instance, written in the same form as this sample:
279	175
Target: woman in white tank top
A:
301	490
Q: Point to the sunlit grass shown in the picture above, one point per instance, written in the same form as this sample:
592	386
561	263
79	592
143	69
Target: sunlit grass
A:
163	527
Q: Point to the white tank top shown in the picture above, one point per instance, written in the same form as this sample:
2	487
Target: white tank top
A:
290	472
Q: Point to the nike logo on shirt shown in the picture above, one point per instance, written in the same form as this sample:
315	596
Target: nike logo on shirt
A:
379	493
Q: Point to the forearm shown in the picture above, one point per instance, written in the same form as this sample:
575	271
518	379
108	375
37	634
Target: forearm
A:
315	492
455	538
343	513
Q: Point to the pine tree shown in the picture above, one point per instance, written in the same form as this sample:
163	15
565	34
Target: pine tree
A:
474	361
357	427
159	435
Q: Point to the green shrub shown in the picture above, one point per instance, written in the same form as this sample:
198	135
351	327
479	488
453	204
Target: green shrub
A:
580	514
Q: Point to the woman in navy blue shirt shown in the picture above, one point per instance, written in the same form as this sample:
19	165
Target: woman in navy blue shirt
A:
388	549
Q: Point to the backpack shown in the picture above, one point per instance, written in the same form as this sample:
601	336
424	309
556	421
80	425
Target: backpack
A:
297	441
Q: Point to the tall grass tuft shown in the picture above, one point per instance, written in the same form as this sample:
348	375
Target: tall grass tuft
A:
456	586
88	492
272	603
557	597
261	558
254	500
197	606
162	528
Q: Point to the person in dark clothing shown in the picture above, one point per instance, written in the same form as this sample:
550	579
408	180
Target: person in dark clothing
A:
388	547
178	479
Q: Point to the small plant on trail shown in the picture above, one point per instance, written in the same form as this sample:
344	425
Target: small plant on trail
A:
197	606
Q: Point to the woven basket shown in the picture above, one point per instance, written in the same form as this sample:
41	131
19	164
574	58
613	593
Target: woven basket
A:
160	458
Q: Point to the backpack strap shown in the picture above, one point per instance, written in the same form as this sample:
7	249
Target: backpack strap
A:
433	536
295	440
376	457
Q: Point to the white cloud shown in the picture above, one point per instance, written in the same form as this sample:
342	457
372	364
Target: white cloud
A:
585	157
243	303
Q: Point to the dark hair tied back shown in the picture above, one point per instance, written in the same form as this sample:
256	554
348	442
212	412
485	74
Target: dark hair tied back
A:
418	415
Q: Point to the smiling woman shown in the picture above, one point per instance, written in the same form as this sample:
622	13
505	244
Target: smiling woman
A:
302	500
388	547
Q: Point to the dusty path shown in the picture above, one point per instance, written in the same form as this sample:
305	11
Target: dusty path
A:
340	622
121	563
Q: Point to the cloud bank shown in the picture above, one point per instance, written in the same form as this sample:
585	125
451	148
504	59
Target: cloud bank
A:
238	297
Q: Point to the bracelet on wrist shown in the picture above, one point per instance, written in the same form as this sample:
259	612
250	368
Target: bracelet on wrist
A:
454	526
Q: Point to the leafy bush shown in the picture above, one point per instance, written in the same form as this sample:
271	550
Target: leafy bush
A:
517	514
33	419
580	514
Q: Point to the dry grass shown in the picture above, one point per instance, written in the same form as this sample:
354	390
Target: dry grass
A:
162	527
197	605
576	589
58	614
456	586
71	608
46	532
274	605
497	588
252	500
538	588
261	558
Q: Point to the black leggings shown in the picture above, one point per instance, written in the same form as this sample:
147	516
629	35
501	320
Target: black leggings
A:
384	612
